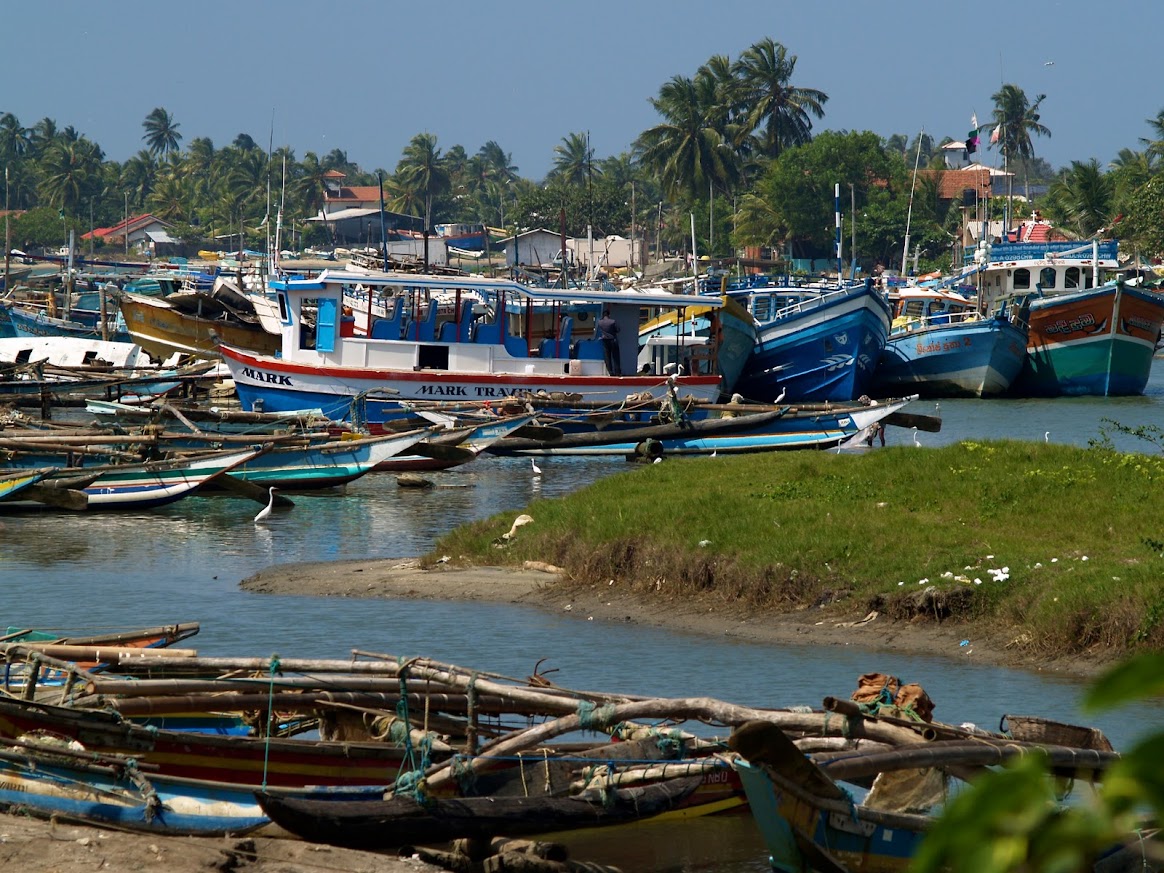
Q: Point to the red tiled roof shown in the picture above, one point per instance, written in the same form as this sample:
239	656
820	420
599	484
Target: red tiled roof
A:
333	174
122	227
358	193
954	182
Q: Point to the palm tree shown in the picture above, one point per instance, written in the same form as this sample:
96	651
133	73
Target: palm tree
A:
781	109
1156	143
42	135
138	176
161	132
1015	119
70	172
497	163
422	169
1081	199
574	160
692	149
310	183
13	138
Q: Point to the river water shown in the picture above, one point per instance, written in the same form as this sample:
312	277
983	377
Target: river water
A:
183	563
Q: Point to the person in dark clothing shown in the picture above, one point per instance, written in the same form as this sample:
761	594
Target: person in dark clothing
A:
607	329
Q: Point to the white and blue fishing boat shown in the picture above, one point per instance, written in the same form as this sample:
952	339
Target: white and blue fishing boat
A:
814	343
60	781
135	485
940	345
717	429
523	342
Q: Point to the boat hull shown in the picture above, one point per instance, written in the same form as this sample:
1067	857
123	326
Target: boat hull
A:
783	428
1094	342
968	359
163	331
275	384
824	349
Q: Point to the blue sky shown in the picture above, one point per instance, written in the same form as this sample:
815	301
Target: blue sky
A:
367	76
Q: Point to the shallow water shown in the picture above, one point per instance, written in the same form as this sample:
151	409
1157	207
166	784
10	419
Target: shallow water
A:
184	562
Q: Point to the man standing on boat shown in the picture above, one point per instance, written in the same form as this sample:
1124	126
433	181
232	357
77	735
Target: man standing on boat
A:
607	329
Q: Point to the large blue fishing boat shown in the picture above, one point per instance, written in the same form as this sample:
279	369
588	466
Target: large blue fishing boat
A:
814	343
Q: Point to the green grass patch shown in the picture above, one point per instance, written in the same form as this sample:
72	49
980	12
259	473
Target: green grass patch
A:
913	533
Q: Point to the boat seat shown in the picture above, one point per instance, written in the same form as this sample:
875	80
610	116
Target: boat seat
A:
487	332
389	328
588	350
424	329
560	347
517	346
454	332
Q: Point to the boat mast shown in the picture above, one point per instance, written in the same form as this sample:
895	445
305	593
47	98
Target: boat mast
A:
909	213
837	214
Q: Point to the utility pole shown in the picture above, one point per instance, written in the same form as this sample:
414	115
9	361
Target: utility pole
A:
7	237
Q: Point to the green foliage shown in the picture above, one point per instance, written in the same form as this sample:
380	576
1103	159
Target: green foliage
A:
799	189
1143	223
1012	820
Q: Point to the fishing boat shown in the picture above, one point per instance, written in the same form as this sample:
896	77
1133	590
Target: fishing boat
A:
319	464
814	343
727	335
939	345
138	485
36	322
806	812
1090	333
458	443
195	322
251	761
521	342
717	428
398	821
56	781
13	483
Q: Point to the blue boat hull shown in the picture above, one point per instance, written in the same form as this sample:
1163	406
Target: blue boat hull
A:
968	359
823	350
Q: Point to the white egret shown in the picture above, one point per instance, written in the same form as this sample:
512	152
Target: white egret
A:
1046	436
783	391
266	510
537	471
916	441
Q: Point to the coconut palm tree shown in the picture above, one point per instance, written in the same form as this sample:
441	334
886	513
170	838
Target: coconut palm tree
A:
574	160
496	163
1016	119
161	132
138	176
1155	143
13	138
70	173
310	184
42	135
693	148
775	106
422	169
1081	199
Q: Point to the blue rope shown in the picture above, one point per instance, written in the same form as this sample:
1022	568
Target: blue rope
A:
274	668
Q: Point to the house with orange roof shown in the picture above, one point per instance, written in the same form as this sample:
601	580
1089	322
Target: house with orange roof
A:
142	233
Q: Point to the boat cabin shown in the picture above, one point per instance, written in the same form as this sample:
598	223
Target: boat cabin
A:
461	323
1044	268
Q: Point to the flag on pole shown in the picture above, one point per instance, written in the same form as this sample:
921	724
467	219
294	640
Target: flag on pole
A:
996	134
974	120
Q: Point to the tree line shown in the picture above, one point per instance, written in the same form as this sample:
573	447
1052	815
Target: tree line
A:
735	146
